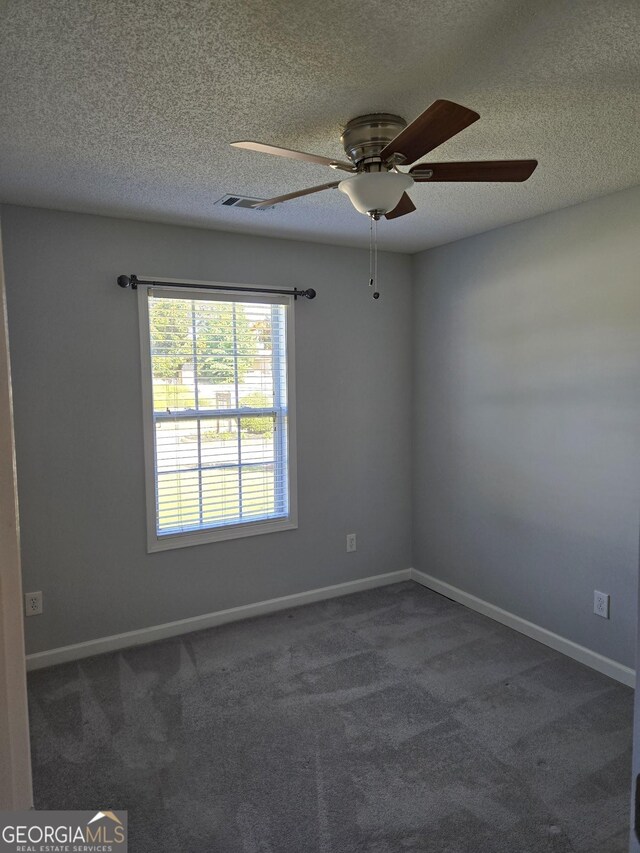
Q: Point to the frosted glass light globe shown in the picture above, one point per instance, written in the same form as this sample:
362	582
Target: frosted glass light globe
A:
380	191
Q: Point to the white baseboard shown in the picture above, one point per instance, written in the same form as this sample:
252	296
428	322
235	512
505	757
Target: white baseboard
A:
609	667
64	654
39	660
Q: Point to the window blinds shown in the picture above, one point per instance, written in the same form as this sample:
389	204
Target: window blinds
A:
219	380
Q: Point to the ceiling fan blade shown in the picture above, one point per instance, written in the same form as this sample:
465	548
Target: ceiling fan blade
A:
404	206
271	201
487	170
439	122
249	145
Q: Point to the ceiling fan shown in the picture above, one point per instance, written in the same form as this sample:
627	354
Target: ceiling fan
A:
378	143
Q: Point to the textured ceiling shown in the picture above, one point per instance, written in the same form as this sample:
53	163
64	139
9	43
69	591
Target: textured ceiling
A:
125	107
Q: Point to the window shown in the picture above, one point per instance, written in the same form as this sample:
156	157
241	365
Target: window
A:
217	371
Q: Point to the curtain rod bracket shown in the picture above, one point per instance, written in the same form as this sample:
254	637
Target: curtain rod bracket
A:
133	281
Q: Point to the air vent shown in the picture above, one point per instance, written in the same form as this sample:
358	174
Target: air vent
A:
241	201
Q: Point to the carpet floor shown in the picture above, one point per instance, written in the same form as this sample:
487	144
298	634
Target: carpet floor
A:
388	721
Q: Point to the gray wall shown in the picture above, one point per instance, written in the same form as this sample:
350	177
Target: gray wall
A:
78	415
526	470
527	418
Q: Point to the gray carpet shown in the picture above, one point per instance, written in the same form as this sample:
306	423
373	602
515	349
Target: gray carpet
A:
390	721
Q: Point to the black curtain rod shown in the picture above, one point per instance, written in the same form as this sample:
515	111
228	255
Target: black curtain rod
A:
133	281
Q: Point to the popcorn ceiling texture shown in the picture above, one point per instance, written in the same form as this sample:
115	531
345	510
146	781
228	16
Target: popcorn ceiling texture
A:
126	107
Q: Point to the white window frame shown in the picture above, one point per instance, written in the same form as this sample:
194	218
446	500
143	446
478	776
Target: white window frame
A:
167	541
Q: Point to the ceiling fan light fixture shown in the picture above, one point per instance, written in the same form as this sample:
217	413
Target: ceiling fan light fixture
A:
379	191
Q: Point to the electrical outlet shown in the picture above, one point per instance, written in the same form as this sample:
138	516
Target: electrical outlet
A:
351	542
33	603
601	604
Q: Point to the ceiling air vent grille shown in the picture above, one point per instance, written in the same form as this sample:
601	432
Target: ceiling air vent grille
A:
241	201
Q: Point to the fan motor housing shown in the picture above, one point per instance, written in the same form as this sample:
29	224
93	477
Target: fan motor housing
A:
364	137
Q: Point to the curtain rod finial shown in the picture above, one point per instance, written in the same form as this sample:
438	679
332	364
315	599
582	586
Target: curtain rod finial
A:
128	281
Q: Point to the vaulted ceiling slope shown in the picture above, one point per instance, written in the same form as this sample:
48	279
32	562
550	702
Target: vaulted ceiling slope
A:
126	107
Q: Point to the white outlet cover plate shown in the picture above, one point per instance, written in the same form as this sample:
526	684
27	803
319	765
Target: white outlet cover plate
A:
33	603
601	604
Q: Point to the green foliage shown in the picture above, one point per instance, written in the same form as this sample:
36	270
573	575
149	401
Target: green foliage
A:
213	435
175	396
211	330
208	435
260	425
219	324
262	330
170	324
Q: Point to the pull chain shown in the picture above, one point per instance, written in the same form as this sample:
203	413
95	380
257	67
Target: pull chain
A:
370	250
373	255
376	294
